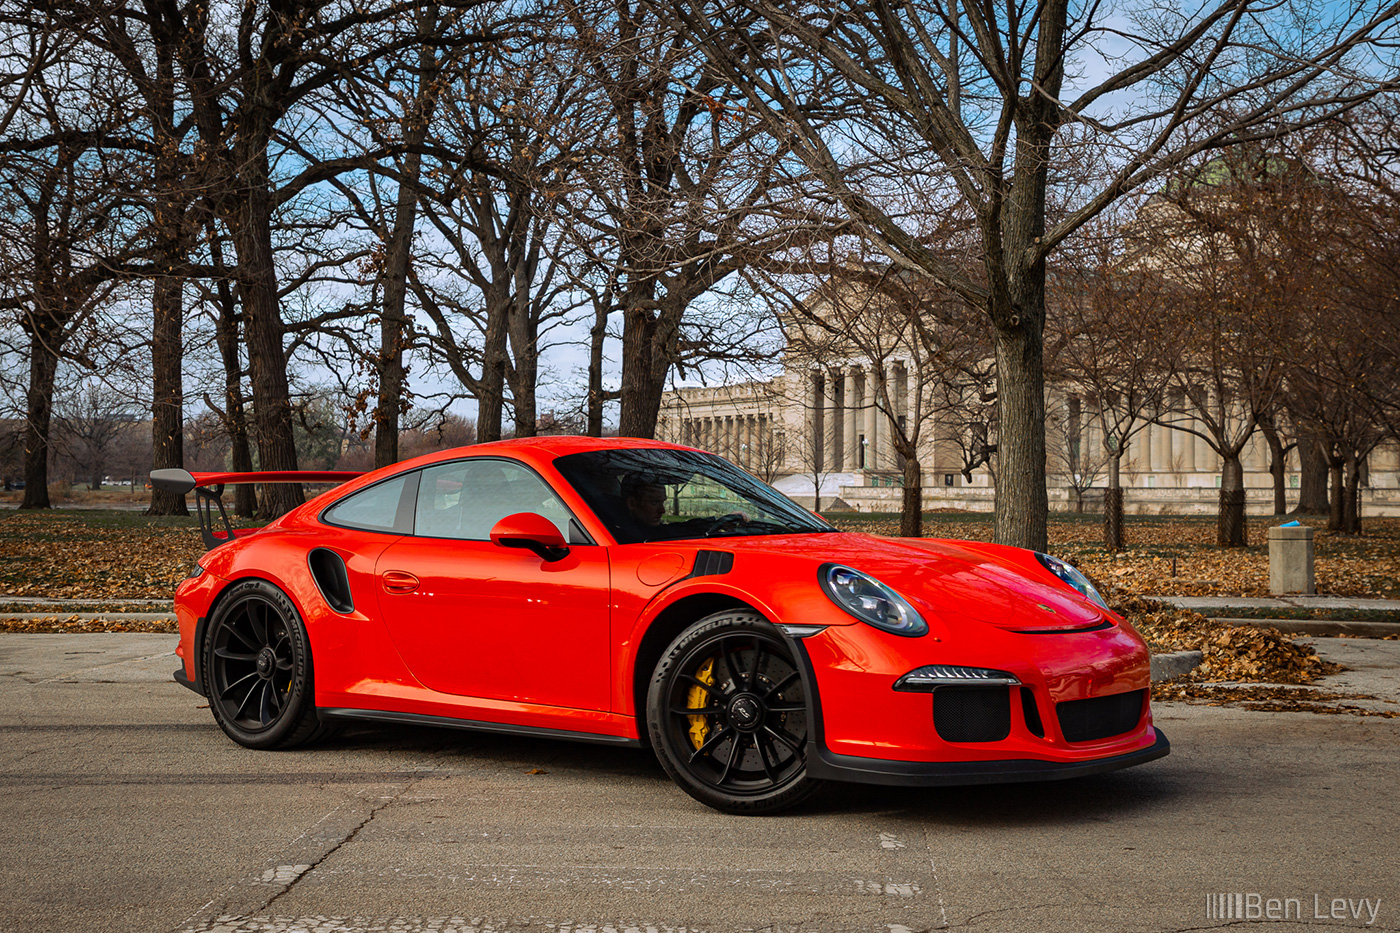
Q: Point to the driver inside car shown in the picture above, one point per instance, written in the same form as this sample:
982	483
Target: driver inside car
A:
645	500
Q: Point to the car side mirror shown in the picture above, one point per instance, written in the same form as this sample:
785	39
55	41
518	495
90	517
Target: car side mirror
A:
530	531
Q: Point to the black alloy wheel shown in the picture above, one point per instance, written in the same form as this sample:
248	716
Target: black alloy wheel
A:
257	669
727	715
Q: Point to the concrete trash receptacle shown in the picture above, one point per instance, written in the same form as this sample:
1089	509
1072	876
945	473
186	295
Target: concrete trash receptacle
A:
1291	560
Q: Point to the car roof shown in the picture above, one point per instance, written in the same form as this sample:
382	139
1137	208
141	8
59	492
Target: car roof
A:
539	449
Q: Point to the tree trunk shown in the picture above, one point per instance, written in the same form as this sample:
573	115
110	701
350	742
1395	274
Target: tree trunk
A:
168	296
1277	466
263	330
596	335
43	365
1312	481
525	353
1113	504
1336	520
911	518
393	323
167	384
490	402
1016	303
245	497
1230	528
641	398
1022	503
1351	500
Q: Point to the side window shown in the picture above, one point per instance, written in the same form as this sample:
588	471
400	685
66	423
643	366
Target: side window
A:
466	498
376	508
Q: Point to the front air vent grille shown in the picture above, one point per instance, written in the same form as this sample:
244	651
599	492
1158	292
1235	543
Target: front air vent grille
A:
1032	714
972	714
1100	717
712	563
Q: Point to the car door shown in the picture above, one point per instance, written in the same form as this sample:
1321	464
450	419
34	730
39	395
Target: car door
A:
475	619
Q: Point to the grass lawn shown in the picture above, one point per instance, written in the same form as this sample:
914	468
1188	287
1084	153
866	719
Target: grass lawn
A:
95	554
1177	555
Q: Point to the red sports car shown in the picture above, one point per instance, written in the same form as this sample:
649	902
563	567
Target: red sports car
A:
641	593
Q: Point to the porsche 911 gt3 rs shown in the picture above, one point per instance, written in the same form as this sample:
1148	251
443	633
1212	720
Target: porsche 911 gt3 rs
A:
642	593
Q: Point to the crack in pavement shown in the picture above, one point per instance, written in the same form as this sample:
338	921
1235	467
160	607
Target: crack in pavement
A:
250	896
355	831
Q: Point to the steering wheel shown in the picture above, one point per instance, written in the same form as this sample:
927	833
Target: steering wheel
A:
729	518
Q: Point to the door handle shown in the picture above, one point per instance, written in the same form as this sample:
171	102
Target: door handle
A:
399	581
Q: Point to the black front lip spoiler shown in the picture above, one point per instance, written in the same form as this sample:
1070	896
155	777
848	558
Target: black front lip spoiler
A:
828	766
183	680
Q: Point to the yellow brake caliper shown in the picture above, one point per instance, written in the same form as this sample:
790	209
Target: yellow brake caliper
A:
696	699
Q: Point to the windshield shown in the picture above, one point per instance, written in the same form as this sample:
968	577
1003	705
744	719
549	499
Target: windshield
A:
650	494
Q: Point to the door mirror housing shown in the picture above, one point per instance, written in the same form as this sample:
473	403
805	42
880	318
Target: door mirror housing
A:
533	532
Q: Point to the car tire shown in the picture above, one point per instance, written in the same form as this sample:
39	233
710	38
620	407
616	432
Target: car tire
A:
744	749
257	669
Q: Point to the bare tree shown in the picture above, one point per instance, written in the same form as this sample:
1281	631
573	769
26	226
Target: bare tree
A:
89	425
245	89
68	229
878	317
982	103
676	191
1114	342
1072	457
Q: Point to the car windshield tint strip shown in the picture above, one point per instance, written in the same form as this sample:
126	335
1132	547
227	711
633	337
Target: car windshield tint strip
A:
657	494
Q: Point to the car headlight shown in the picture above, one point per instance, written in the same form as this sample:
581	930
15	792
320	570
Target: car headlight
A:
1071	576
871	601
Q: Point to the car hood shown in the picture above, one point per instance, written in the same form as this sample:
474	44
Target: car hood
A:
942	576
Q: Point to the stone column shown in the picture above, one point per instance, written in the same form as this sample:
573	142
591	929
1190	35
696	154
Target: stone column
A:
852	435
812	415
898	375
872	420
1161	449
1206	459
831	438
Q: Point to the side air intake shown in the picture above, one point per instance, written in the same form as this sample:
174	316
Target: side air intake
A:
328	570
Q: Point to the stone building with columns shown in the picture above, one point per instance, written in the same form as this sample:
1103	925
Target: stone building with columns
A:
819	428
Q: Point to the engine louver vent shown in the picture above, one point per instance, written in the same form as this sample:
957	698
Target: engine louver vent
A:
972	714
1100	717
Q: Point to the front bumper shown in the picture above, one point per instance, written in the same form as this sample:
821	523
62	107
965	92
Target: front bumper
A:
829	766
862	730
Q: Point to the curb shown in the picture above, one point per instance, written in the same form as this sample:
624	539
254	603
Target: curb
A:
1174	664
89	616
6	598
1320	626
1204	604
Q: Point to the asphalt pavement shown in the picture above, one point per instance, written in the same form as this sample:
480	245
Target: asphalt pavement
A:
125	809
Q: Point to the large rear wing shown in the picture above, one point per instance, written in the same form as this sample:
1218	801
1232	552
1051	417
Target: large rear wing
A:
208	491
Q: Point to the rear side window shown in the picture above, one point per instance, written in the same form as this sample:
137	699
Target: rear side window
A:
386	506
466	498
